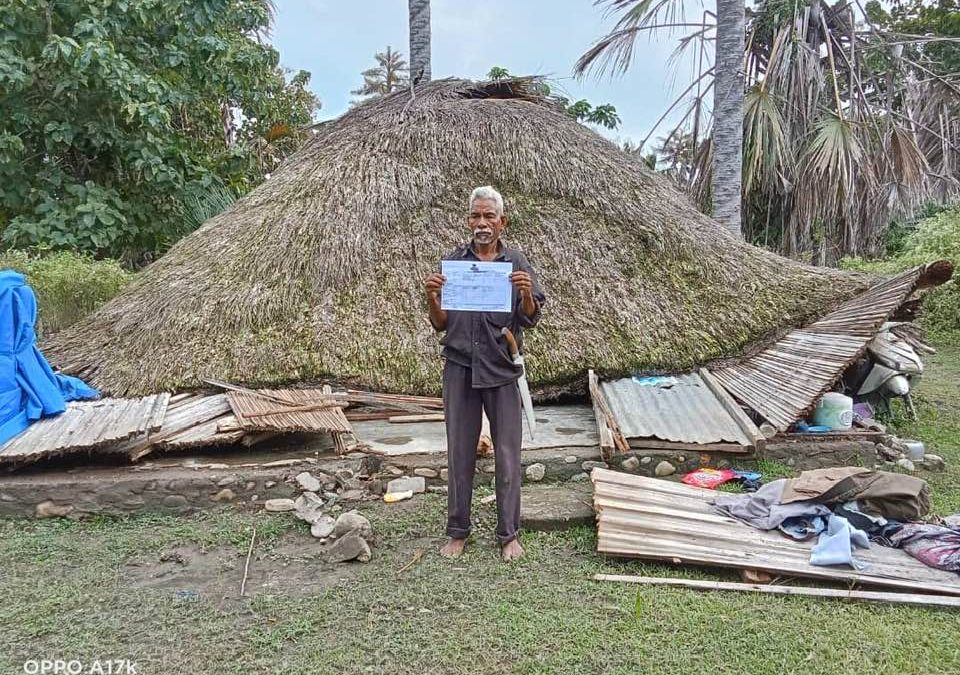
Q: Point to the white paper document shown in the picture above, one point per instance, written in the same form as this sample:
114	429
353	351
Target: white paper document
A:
473	286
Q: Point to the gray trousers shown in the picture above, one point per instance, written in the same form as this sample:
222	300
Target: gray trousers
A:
464	408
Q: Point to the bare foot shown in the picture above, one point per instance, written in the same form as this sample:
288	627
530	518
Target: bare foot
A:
512	550
453	548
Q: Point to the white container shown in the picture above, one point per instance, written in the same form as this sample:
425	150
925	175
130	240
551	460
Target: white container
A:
834	410
917	450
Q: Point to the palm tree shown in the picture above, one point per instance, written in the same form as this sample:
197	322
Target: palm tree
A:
728	116
616	50
387	76
419	11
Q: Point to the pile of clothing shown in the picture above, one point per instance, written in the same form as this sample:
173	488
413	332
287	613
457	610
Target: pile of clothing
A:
848	508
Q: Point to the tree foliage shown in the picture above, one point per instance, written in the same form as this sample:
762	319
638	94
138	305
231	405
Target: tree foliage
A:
390	73
112	110
604	115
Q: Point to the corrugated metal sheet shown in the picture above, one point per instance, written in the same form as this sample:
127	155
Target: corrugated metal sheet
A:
784	381
686	412
662	520
87	425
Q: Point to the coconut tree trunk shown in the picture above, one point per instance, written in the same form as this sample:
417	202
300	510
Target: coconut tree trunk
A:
420	40
728	115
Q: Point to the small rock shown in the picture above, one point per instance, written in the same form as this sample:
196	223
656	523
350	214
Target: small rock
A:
791	461
906	464
590	465
393	470
371	464
356	454
224	482
279	505
536	472
630	464
580	477
307	482
330	485
352	521
416	485
217	467
343	475
323	527
269	483
489	499
309	507
665	468
570	459
437	489
254	498
426	472
645	460
681	459
489	468
225	495
49	509
353	495
250	485
351	484
934	463
348	547
376	486
443	474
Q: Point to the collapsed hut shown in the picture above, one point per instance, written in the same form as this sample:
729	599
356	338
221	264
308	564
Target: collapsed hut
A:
317	274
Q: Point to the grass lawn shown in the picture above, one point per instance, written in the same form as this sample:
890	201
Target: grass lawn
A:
114	589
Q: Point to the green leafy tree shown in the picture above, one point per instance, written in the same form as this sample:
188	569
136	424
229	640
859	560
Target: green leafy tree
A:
111	112
604	115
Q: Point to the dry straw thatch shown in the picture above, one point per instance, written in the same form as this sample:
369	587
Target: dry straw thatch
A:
317	273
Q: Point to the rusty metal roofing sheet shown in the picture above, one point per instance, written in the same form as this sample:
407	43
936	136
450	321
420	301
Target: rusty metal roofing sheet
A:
87	425
684	412
661	520
785	380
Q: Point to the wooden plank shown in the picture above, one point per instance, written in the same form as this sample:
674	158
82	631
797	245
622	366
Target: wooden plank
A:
596	395
409	419
603	429
657	444
733	409
832	593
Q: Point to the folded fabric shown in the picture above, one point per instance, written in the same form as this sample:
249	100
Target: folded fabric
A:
933	545
762	509
892	495
835	546
802	528
860	520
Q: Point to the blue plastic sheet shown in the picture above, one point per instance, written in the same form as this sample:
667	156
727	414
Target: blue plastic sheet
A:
29	389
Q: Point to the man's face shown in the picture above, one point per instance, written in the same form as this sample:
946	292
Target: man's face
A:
484	221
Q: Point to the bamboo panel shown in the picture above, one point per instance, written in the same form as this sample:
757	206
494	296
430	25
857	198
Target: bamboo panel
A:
87	425
265	410
661	520
784	381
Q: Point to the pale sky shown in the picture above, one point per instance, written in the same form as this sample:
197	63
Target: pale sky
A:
336	39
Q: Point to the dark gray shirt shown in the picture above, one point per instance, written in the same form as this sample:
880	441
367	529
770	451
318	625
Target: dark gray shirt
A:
474	339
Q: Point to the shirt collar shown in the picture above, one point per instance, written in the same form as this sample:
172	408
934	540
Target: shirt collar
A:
503	253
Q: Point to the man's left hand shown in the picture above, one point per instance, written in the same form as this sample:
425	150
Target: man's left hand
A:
523	283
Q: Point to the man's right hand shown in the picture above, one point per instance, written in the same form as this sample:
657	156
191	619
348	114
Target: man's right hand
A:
433	284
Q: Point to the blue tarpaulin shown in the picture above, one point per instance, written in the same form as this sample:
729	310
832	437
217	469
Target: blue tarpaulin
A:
29	389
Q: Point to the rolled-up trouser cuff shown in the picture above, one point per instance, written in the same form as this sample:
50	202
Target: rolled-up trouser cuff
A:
506	539
457	533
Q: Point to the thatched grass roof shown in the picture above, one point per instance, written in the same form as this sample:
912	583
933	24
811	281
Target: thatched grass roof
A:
317	273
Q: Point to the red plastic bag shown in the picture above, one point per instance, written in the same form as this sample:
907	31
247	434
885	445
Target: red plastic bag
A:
709	478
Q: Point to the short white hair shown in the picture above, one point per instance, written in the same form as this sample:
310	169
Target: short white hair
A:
487	192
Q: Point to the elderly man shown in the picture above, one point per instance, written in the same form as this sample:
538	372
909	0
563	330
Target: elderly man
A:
479	376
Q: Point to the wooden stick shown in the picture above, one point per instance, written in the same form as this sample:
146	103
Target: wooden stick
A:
603	429
246	566
596	394
741	418
414	561
875	596
407	419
